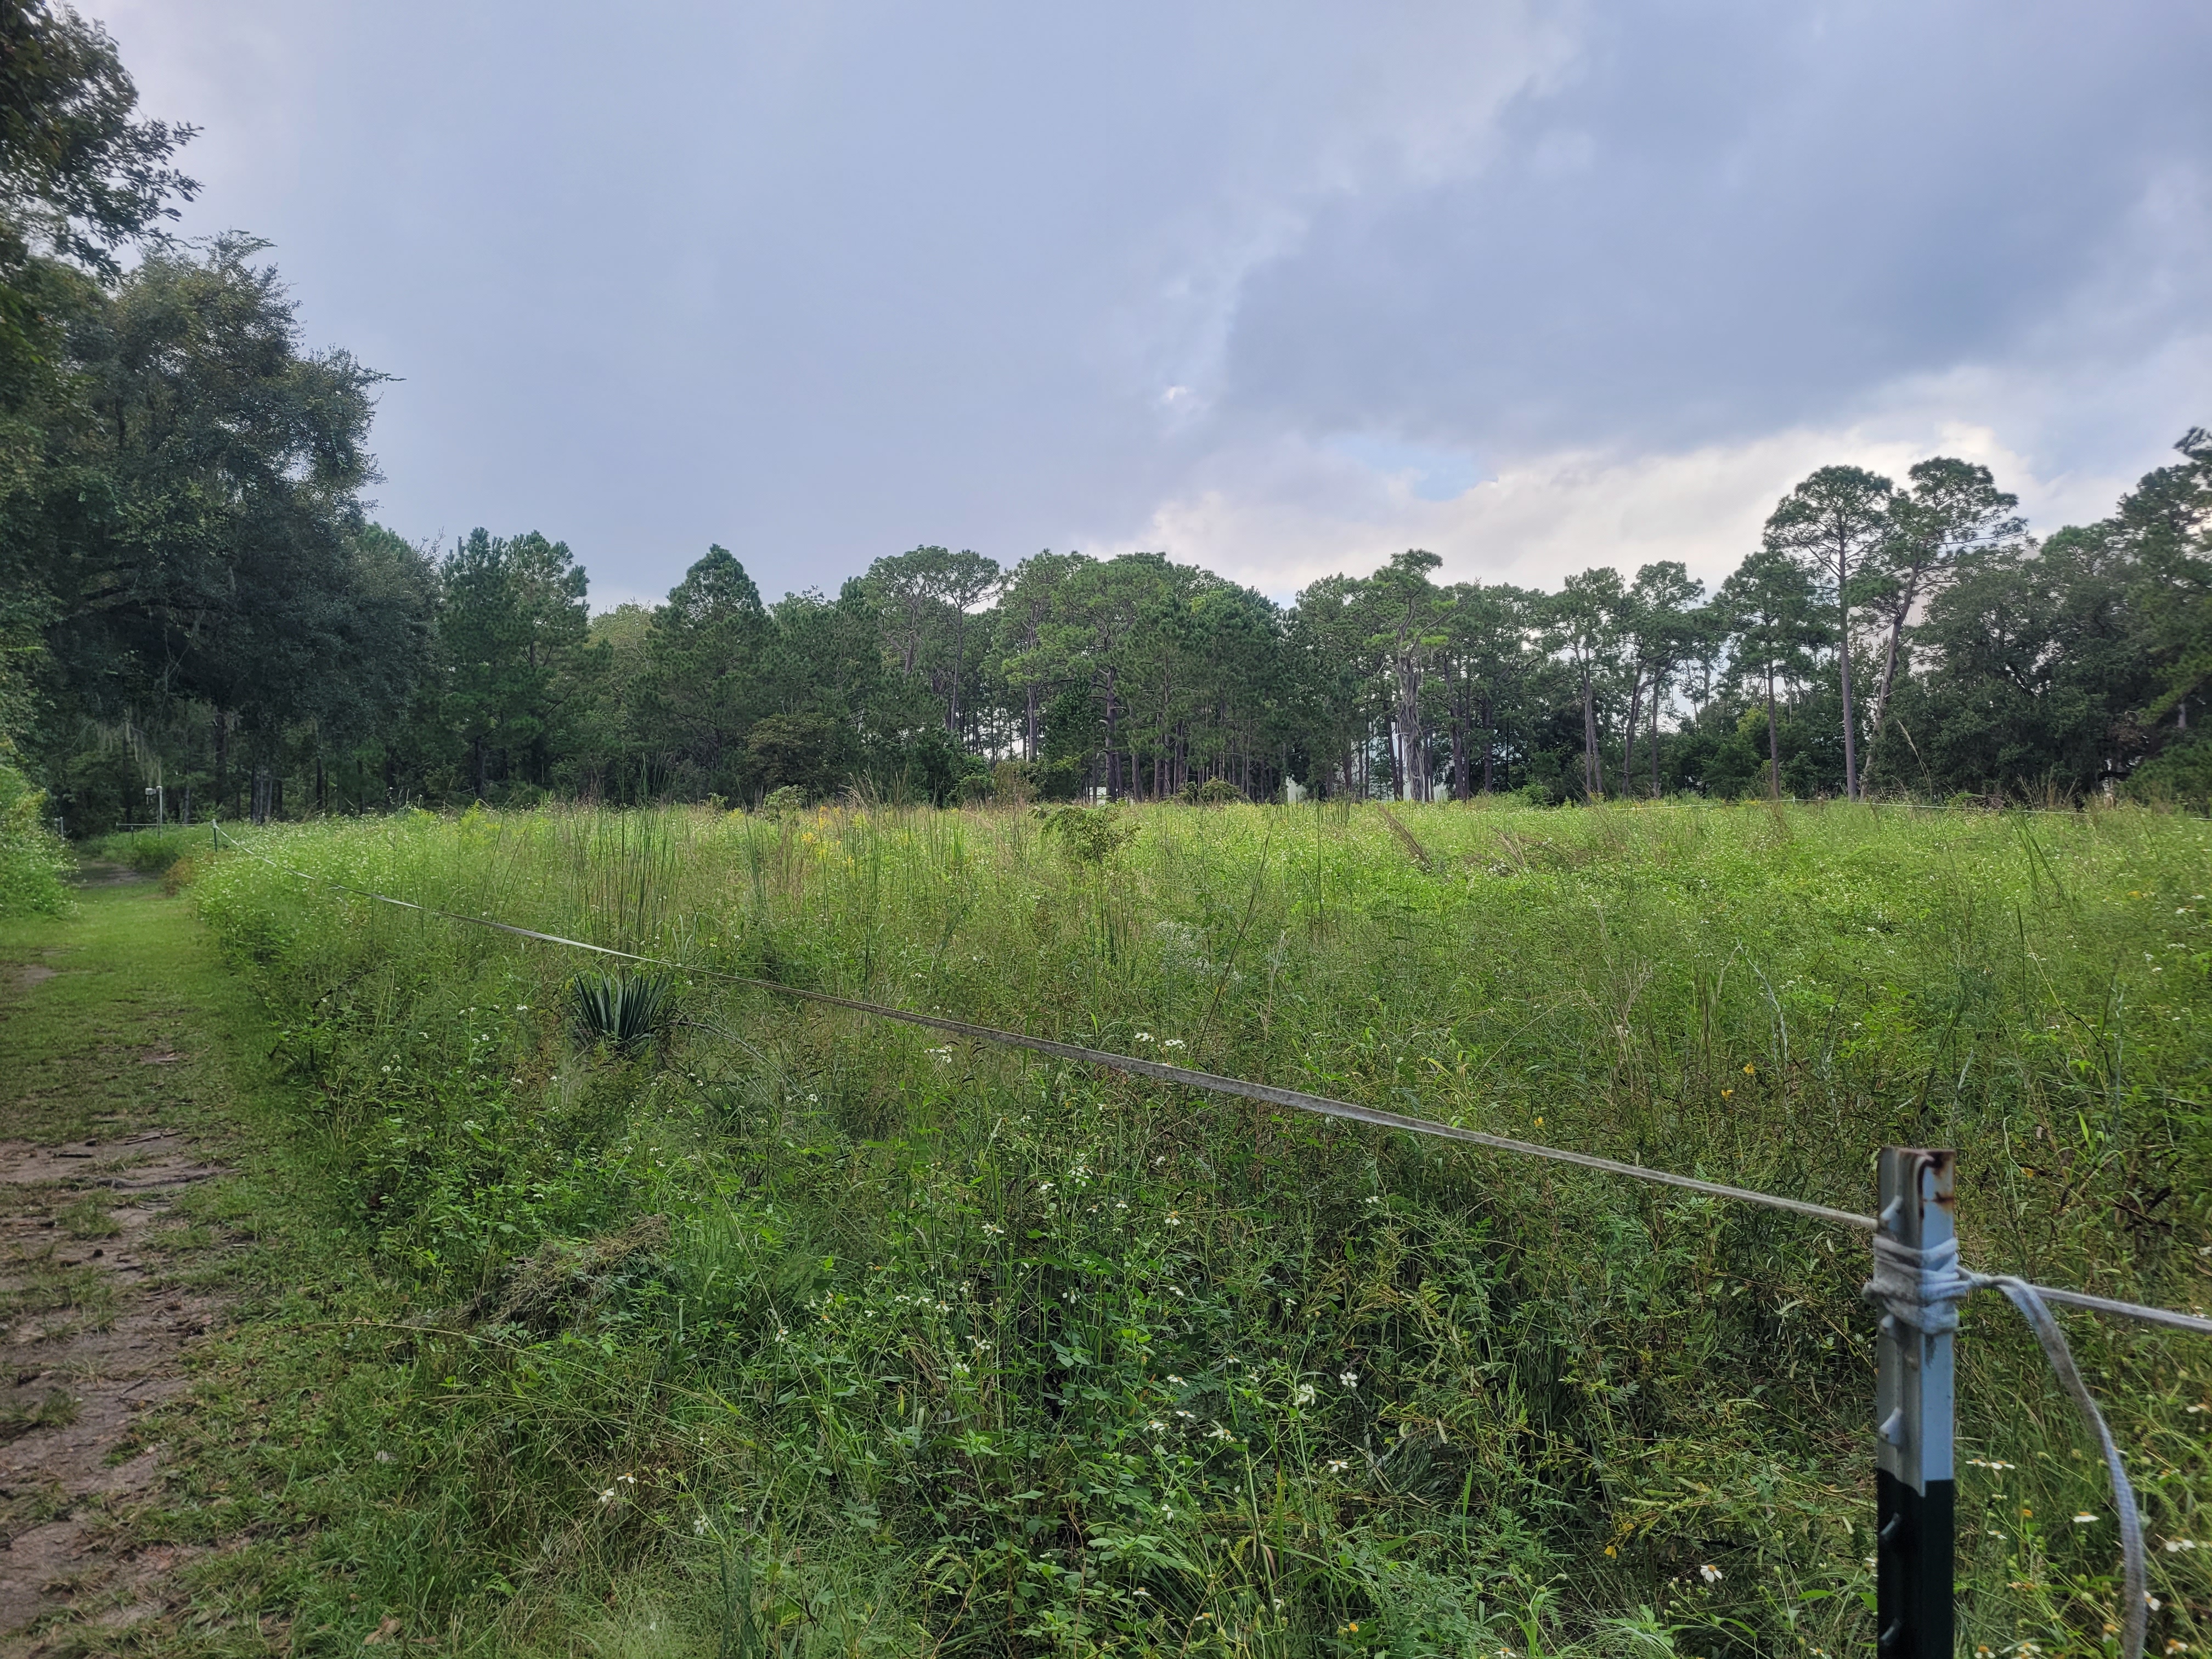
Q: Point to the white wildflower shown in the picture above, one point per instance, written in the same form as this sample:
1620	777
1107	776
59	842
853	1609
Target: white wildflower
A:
1303	1395
1710	1573
1350	1379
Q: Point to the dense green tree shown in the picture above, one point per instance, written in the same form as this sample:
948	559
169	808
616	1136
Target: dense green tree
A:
1836	521
1664	629
1949	510
2035	671
1406	612
1772	613
1588	621
2166	523
708	677
513	627
1333	647
1093	635
211	547
1025	612
1489	656
80	178
927	599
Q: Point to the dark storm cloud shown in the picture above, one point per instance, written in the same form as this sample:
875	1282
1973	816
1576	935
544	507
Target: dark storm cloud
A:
1726	218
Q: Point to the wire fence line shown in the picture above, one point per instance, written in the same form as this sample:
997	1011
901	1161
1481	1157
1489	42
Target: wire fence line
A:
1212	1083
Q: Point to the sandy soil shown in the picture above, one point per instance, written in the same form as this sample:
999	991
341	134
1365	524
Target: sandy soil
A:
92	1339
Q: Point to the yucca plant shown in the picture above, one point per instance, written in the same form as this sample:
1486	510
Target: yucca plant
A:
621	1009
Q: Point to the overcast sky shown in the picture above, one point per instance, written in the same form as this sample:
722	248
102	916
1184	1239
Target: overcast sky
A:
1277	289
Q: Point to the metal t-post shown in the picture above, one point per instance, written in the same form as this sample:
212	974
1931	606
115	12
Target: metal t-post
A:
1913	1481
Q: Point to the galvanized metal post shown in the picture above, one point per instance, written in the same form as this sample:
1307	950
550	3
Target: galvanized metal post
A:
1912	1411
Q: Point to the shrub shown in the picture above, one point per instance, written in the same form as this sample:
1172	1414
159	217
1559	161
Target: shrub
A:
622	1010
781	802
31	857
1089	835
2181	776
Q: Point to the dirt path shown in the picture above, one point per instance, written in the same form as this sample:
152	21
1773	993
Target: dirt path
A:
98	1056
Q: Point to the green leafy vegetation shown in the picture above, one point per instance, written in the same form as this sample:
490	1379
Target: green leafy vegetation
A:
32	856
54	1409
644	1312
1910	641
624	1009
88	1218
821	1334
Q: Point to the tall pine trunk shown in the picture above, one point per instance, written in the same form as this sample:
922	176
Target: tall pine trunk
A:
1628	737
1882	692
1844	662
1654	739
221	756
1773	750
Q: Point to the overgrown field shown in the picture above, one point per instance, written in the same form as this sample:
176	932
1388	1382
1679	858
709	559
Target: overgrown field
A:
786	1331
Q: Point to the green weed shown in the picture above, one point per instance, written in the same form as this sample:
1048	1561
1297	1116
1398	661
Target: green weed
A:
621	1010
88	1218
55	1408
936	1338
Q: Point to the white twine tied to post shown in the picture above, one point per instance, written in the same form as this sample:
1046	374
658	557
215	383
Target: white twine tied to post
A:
1923	1289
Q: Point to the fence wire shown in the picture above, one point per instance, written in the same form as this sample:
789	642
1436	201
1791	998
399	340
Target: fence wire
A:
1213	1083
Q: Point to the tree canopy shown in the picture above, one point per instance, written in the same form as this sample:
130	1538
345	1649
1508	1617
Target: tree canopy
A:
193	594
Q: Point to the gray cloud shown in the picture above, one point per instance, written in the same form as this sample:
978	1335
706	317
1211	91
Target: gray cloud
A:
1730	217
821	283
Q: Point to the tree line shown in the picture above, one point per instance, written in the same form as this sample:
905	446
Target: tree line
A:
197	613
1885	636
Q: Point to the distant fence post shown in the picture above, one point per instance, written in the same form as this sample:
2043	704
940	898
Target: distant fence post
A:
1912	1412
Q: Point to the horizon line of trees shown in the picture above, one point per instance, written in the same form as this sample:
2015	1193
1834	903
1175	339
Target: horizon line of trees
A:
1887	637
197	613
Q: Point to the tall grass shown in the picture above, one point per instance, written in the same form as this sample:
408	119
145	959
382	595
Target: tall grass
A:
941	1349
